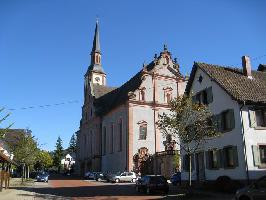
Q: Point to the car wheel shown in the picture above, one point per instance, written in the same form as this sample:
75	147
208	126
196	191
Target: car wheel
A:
133	180
244	198
148	191
117	180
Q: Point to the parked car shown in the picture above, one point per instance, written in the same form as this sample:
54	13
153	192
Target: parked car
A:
124	177
100	176
176	178
255	191
152	183
89	175
42	177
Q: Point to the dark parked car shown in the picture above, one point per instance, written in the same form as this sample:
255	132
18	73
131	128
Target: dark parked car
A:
100	176
152	183
176	178
255	191
42	177
89	175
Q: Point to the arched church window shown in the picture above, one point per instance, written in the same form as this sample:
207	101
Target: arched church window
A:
120	125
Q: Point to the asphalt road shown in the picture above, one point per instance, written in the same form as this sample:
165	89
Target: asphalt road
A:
73	188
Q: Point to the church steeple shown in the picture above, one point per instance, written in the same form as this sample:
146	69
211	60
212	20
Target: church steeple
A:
96	40
95	73
96	64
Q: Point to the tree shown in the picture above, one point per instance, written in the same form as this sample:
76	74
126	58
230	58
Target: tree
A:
58	154
24	147
44	160
72	144
3	131
191	122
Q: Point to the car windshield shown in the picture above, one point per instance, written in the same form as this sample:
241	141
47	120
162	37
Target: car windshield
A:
157	179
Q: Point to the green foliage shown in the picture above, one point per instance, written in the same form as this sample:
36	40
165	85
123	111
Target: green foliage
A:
44	160
192	123
72	144
24	147
176	160
58	153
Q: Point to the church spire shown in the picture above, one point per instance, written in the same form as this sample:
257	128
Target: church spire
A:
96	64
96	40
95	73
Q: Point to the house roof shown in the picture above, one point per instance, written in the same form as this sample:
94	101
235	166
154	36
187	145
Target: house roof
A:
234	82
117	96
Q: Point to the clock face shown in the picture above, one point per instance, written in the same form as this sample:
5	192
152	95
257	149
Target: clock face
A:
97	79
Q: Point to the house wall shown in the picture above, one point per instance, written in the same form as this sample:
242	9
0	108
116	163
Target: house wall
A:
253	136
221	101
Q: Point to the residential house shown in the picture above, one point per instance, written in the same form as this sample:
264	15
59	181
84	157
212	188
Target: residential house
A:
237	99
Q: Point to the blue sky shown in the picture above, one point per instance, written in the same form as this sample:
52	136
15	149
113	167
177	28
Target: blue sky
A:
45	47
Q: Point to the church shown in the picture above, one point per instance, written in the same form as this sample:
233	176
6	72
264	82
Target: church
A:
118	129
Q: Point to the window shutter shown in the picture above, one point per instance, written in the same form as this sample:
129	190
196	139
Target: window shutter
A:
252	119
232	118
219	158
235	155
222	158
209	95
256	155
207	159
219	122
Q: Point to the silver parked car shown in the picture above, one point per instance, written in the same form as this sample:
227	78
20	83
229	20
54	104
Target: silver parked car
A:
124	177
255	191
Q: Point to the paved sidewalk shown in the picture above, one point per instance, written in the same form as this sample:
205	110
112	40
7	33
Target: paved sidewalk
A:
17	192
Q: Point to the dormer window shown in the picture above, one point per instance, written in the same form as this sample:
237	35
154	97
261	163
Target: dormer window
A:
142	94
168	95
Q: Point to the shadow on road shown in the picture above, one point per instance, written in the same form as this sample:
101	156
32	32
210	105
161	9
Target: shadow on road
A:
64	177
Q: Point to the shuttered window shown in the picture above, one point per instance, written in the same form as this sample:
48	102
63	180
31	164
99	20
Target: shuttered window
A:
214	157
225	121
259	155
230	156
204	97
262	149
257	118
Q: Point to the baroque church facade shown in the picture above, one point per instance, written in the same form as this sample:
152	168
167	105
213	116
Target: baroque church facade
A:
118	129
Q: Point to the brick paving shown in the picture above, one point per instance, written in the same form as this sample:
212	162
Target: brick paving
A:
72	188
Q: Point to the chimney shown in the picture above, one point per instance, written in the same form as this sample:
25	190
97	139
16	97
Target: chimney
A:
246	66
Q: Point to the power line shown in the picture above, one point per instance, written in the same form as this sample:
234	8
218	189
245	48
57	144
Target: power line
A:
44	106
